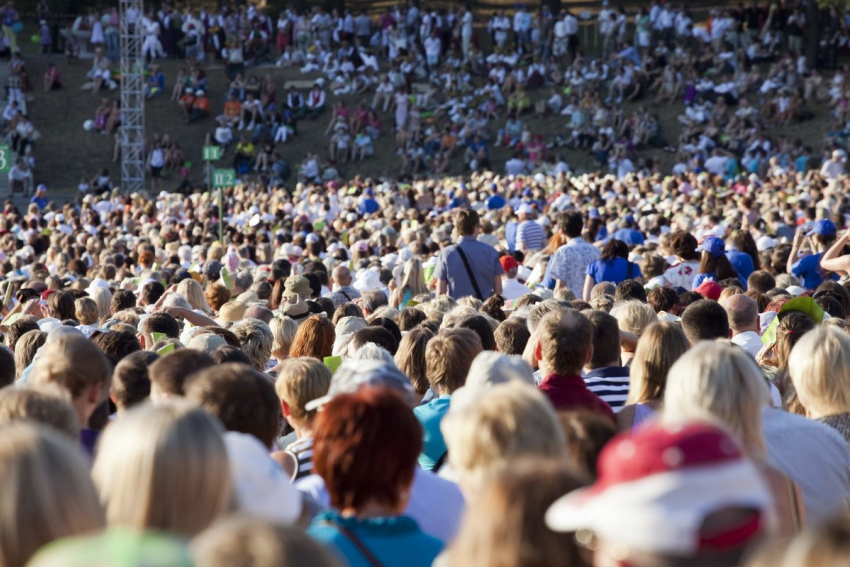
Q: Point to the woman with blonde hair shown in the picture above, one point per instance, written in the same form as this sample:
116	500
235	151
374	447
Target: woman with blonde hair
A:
486	430
283	331
819	367
194	294
85	309
315	337
412	284
46	493
719	382
501	530
103	298
661	345
164	468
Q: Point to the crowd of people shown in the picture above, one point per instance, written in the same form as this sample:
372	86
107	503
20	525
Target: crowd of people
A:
453	371
630	367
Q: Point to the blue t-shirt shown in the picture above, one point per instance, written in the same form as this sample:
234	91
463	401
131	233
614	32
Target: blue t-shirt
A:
393	540
809	271
613	270
433	445
495	202
630	236
742	262
369	206
40	201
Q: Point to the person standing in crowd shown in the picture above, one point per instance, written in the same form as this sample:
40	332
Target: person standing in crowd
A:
606	376
511	287
569	264
562	347
743	316
612	266
470	267
530	237
818	238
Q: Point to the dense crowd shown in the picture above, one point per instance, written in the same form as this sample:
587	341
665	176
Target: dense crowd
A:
500	368
452	370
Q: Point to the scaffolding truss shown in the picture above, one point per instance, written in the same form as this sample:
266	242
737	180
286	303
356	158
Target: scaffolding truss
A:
132	130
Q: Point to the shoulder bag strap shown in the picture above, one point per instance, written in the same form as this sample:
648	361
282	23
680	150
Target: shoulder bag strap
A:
466	265
361	547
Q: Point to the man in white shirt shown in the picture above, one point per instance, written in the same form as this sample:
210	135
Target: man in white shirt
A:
433	47
743	315
515	165
571	25
716	164
511	287
834	166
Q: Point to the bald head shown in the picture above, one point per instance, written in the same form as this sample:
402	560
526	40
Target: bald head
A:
342	275
743	312
264	314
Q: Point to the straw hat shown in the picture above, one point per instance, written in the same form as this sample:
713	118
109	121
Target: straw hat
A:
232	311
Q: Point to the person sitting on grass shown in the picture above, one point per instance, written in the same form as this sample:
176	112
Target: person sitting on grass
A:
52	78
200	108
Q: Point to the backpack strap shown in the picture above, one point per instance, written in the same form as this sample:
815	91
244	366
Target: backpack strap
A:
466	265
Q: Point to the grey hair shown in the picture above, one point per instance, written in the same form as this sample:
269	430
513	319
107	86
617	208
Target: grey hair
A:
255	339
176	300
371	351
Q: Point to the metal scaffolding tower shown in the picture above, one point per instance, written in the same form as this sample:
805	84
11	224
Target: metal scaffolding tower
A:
132	97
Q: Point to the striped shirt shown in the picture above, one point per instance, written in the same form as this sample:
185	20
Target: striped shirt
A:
611	384
531	235
302	452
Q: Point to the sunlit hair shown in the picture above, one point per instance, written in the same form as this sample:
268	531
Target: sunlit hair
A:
85	310
413	278
494	427
194	294
103	298
376	429
820	370
315	337
26	349
283	330
720	382
163	468
658	349
255	339
634	316
74	363
301	380
46	493
47	407
410	357
500	529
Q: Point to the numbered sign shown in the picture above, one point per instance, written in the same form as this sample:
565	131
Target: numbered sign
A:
212	153
5	158
224	178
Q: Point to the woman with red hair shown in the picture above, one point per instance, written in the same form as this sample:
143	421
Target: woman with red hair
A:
366	446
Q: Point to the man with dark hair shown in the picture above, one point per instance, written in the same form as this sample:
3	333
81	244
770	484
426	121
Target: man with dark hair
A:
169	374
158	322
705	320
117	345
242	282
606	376
511	336
130	382
469	267
662	299
479	325
19	328
410	317
629	290
122	299
242	398
761	281
569	263
151	292
563	347
378	335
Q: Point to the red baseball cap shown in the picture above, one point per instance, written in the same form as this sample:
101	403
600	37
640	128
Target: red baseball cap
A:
657	485
710	290
509	263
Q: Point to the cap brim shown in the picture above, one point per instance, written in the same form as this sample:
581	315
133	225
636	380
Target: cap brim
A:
313	405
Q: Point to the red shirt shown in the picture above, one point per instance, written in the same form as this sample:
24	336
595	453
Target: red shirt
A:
570	393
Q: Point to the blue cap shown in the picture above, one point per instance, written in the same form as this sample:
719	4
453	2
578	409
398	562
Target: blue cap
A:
824	227
713	246
369	192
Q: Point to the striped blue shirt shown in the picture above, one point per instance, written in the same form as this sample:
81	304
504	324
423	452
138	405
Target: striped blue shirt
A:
531	235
